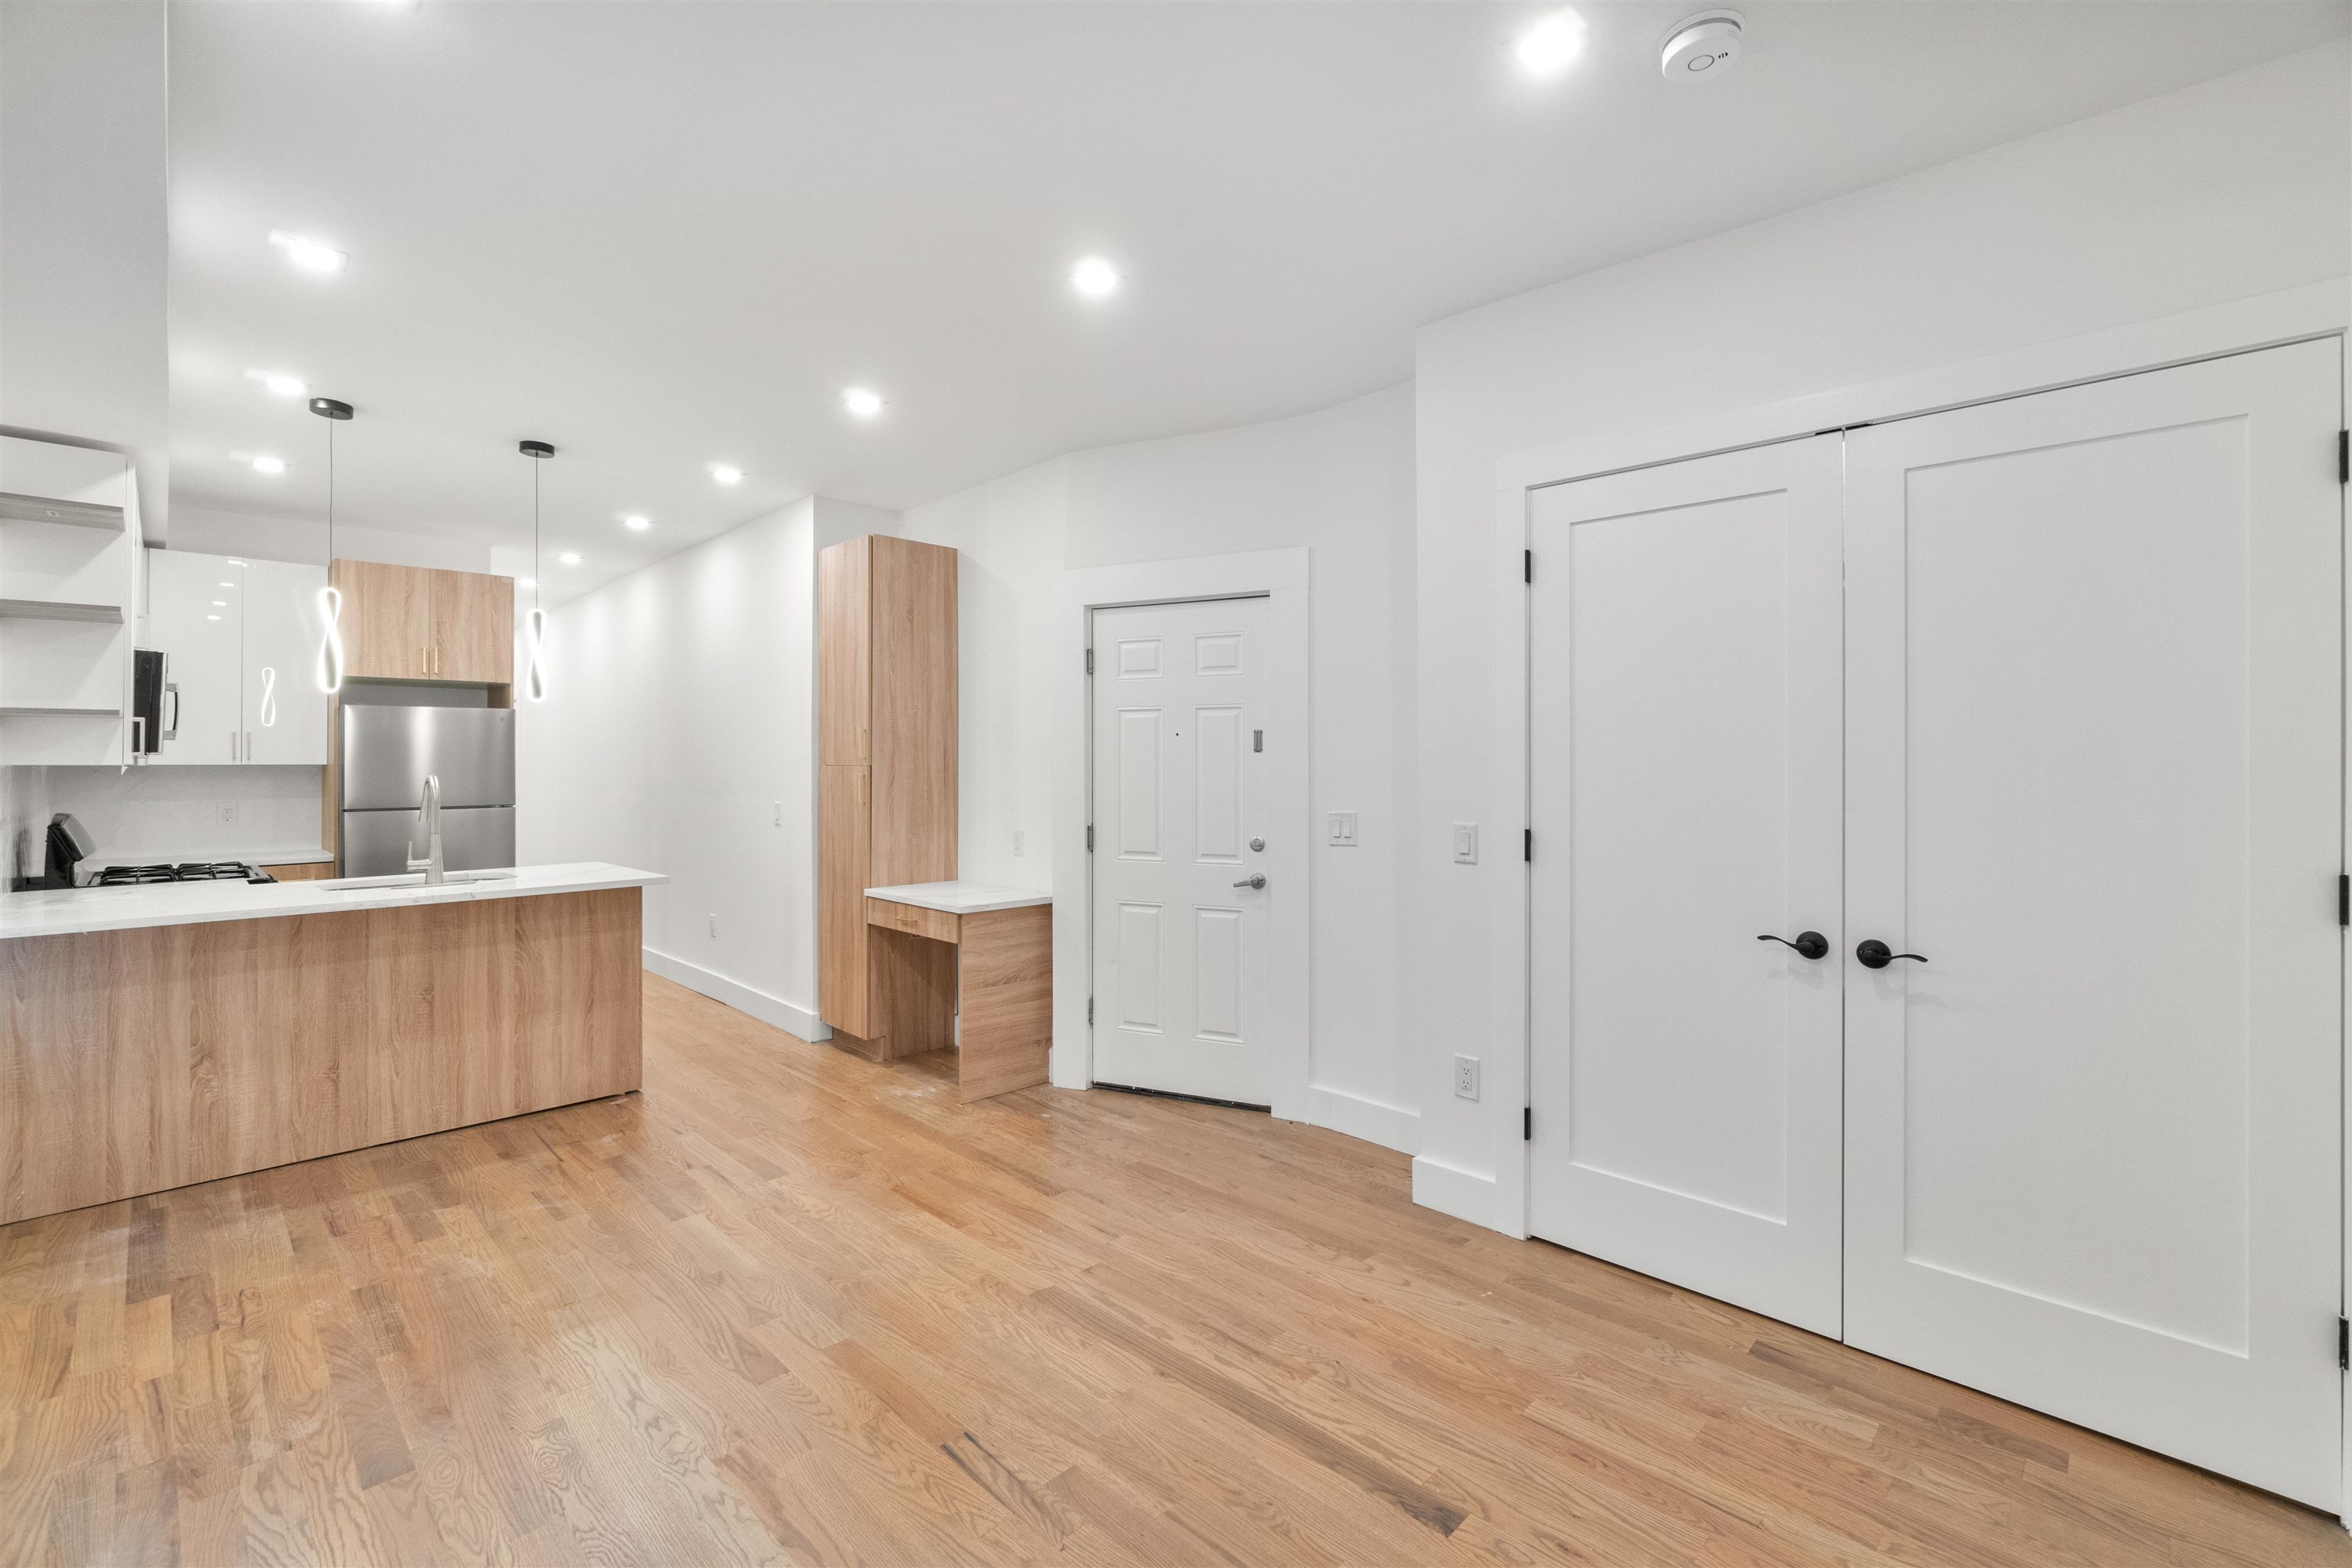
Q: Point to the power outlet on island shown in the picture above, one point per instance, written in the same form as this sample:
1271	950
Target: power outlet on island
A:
1466	1076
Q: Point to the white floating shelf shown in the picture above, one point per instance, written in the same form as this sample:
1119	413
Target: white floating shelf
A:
7	712
58	610
72	513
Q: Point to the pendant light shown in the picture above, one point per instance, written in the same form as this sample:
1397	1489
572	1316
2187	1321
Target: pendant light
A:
330	598
534	668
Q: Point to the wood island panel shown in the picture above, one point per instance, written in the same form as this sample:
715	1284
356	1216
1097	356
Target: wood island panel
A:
136	1060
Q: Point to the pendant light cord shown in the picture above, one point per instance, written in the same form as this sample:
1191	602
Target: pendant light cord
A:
534	534
330	495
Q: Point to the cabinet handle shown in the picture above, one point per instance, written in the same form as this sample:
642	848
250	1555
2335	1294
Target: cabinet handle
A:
232	745
865	753
248	745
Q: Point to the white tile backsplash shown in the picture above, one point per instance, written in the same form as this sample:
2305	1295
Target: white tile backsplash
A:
172	813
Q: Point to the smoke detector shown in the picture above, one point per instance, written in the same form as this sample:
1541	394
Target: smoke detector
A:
1702	47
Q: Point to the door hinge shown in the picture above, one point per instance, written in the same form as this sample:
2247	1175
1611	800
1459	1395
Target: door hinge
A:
2344	900
2343	1343
1526	1123
1090	837
1528	566
1090	1009
2344	456
1528	845
1090	661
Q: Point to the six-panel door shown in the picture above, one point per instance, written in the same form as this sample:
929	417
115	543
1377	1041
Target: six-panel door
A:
1179	943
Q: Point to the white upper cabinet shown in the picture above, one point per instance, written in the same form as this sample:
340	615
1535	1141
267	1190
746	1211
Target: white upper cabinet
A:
238	639
285	711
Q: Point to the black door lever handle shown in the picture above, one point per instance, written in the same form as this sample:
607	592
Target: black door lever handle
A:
1873	953
1809	943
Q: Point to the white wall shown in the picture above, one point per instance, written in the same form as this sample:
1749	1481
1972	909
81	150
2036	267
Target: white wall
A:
83	272
2232	188
1339	482
678	727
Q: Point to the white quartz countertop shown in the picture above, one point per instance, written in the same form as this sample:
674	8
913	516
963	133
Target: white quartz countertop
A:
61	911
310	855
961	897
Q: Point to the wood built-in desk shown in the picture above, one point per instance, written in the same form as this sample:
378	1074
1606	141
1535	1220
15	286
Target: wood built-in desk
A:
1003	990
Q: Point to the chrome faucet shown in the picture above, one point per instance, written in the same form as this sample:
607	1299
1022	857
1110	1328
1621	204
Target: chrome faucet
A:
429	810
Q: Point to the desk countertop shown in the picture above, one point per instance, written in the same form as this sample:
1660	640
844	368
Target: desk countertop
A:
961	897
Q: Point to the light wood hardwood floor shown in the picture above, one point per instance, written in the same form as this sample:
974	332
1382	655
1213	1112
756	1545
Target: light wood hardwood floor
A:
792	1306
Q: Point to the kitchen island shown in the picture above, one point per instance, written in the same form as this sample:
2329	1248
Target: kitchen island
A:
156	1037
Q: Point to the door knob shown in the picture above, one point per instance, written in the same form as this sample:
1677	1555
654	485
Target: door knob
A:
1809	943
1873	953
1256	881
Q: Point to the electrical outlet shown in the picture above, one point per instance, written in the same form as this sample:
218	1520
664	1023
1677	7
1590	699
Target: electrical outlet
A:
229	813
1340	829
1466	1076
714	925
1016	841
1466	844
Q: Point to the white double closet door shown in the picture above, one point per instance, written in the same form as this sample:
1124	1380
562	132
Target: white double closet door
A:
2050	691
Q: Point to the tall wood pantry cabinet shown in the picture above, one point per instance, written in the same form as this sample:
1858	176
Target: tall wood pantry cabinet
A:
886	785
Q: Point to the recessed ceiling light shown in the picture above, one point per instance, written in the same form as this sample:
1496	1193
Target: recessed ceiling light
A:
638	524
220	604
278	381
263	463
727	473
1547	47
570	558
862	402
1095	277
308	253
526	582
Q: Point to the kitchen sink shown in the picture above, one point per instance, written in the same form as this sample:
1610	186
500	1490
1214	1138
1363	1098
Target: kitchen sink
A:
408	880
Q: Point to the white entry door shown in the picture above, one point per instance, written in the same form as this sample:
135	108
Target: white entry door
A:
1179	698
2094	727
1683	774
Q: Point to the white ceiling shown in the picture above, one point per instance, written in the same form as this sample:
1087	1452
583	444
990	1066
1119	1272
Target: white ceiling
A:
664	234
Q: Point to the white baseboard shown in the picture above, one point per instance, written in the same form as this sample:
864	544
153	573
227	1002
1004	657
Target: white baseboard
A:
1366	1118
768	1009
1440	1186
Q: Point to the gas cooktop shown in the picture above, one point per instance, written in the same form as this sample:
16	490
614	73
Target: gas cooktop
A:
187	872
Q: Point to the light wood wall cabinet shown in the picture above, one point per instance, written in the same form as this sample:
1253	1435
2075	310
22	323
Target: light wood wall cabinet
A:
413	623
887	782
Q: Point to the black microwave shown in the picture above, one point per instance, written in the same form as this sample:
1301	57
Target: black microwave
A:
154	703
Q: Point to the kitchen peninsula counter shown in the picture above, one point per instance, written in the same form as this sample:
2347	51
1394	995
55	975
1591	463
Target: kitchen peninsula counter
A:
156	1037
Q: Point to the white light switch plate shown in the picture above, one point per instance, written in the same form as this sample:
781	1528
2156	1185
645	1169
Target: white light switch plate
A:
1340	830
1466	844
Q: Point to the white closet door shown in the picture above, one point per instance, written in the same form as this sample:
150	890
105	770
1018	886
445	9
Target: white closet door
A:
196	610
1180	948
2093	702
285	711
1684	756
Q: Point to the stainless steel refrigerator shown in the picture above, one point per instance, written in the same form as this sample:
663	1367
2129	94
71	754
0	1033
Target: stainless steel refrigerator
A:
387	752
